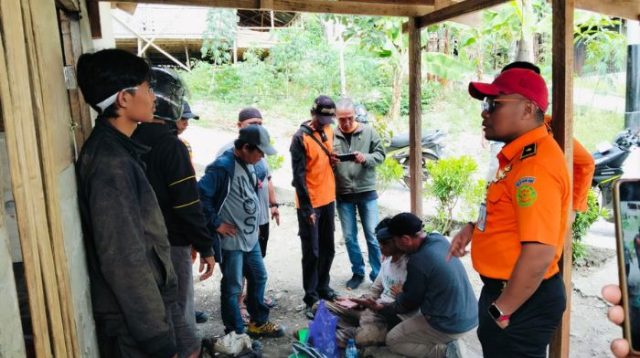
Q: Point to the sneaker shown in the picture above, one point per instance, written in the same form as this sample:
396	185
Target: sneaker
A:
329	295
355	281
308	312
268	329
201	317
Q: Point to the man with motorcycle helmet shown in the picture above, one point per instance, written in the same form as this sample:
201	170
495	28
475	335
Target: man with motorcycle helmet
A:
519	235
171	174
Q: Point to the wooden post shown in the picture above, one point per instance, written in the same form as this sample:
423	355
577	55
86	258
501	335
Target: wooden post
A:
187	61
415	117
562	124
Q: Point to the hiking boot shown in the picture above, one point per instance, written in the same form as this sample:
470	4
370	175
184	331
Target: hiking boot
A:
201	317
269	329
355	281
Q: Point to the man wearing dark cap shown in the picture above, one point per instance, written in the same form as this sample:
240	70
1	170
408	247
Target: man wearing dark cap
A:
229	193
133	283
311	159
438	288
183	123
519	235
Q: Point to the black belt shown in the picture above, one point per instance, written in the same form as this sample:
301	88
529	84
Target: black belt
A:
499	285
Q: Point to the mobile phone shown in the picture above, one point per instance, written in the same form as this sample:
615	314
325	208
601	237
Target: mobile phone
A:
348	157
626	207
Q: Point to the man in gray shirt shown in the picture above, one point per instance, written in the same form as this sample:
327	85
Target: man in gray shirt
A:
229	194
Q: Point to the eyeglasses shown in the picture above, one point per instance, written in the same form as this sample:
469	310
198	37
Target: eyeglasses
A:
489	103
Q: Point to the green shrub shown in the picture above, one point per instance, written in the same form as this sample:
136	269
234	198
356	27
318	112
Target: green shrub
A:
583	222
451	179
388	172
275	162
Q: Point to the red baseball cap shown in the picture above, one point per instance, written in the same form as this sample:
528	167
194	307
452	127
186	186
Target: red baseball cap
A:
524	82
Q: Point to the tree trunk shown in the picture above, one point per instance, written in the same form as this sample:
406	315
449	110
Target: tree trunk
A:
525	45
396	91
343	74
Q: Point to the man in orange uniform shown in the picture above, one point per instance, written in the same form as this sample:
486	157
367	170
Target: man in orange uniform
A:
518	237
583	164
313	179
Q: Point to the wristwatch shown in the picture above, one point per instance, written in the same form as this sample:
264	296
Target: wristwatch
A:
275	205
497	314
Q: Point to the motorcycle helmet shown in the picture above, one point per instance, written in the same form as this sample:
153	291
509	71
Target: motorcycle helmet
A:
361	114
170	94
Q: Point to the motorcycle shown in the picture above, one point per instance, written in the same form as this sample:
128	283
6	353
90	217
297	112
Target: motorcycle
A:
432	148
398	147
609	159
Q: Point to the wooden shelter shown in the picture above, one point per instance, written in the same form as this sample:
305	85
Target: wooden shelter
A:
45	121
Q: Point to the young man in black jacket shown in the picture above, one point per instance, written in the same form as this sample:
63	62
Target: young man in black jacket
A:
170	173
133	284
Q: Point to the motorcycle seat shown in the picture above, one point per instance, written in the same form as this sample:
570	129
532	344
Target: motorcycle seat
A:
402	140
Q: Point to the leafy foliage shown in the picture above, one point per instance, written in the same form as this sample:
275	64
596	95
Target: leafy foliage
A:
451	179
583	222
218	38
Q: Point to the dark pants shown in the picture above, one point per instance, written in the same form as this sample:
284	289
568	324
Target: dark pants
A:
530	327
317	252
263	238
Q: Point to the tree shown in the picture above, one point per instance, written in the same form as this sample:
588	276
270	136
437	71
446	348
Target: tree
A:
383	37
219	37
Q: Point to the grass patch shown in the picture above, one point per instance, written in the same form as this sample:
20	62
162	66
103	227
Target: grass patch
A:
593	126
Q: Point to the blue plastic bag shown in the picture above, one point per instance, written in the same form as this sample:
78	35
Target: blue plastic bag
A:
322	332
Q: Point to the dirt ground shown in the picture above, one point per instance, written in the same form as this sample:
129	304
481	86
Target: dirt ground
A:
591	333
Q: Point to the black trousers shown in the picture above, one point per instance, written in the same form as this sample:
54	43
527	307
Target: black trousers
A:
317	252
530	327
263	238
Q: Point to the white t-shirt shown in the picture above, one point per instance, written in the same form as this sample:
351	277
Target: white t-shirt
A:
391	278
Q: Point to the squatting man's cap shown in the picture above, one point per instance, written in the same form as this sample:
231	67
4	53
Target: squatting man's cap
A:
186	112
249	113
324	108
258	136
524	82
399	225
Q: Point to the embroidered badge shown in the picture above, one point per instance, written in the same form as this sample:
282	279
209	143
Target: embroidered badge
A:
529	151
526	195
525	180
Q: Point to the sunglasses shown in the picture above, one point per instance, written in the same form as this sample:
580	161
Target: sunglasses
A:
489	104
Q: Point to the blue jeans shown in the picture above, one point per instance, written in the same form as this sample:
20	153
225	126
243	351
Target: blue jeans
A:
368	211
236	264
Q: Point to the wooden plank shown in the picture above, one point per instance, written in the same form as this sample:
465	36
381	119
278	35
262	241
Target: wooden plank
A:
74	94
93	10
457	9
69	5
415	117
17	110
397	2
348	7
128	8
627	9
44	53
266	4
562	124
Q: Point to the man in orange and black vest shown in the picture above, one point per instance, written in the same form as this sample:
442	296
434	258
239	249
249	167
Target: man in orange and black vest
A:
519	235
313	179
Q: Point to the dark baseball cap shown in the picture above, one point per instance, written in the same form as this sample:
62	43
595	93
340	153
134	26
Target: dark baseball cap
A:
186	112
382	230
249	113
404	224
325	109
258	136
524	82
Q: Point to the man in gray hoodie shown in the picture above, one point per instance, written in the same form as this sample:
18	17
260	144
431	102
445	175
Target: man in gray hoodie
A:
356	187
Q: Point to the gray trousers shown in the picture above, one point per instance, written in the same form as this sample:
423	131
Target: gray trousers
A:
186	332
414	337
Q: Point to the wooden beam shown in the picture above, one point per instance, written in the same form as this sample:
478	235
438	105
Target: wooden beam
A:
455	10
627	9
266	4
69	5
415	117
562	125
93	10
129	8
396	2
349	7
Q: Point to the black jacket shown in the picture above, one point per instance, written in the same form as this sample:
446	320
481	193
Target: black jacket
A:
172	177
128	253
